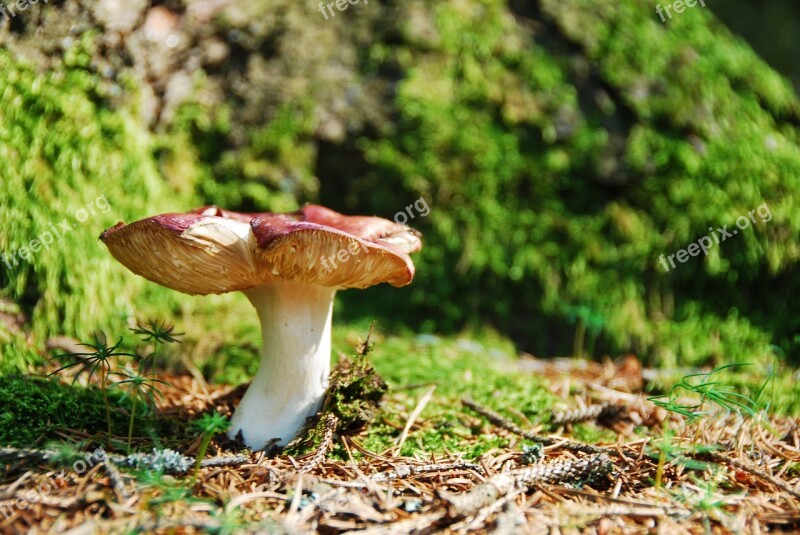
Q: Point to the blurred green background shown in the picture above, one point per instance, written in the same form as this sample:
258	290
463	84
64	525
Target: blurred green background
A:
771	28
562	146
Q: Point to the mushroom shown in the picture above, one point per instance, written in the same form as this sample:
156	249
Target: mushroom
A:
289	266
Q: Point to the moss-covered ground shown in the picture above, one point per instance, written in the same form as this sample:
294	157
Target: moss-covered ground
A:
446	442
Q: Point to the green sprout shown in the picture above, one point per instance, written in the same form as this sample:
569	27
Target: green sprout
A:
96	361
710	391
141	390
209	425
169	490
157	331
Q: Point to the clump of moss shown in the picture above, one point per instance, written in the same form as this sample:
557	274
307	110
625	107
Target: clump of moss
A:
34	409
355	393
73	166
352	401
563	148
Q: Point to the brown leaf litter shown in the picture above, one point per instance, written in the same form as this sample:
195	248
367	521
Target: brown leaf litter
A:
747	482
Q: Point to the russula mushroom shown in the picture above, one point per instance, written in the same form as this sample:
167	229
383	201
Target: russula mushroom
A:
289	266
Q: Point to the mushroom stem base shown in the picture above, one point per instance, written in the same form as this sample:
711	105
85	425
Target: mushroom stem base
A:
295	363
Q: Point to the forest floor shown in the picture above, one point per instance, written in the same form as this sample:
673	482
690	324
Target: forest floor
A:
468	438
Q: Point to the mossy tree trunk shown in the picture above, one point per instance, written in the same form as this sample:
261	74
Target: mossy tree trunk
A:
562	146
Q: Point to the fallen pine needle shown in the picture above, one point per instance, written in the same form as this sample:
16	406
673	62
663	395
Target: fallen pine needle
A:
423	401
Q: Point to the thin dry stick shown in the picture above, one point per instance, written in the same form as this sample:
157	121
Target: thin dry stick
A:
298	496
423	401
226	461
508	425
424	523
45	456
632	504
14	454
573	472
403	470
330	423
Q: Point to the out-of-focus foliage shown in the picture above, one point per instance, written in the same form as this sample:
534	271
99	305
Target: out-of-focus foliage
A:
772	28
71	168
561	162
562	147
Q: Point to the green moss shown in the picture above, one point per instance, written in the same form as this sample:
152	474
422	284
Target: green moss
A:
479	367
34	410
592	434
258	175
18	353
235	358
72	167
355	393
352	399
440	441
561	163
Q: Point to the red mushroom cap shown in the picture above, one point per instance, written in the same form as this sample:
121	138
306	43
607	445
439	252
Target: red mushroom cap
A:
210	250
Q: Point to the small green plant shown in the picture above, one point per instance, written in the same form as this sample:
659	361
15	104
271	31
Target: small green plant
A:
668	450
139	386
709	390
773	367
209	425
96	361
230	522
704	498
157	332
141	390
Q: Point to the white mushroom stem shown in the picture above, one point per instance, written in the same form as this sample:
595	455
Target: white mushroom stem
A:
295	362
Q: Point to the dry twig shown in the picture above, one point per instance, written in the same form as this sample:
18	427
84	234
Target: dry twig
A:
329	423
558	473
508	425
